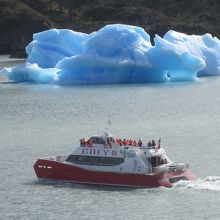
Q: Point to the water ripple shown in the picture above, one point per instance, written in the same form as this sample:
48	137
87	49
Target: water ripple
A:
210	183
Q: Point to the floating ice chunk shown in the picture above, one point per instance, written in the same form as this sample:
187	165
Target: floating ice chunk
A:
124	54
116	54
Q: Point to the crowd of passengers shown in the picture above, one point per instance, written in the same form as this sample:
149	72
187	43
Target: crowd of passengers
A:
124	142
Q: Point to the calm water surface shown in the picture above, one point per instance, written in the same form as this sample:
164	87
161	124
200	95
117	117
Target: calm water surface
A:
43	120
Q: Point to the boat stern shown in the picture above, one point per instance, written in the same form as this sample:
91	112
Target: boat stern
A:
169	179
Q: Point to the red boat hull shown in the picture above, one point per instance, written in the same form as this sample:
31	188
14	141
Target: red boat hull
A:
48	169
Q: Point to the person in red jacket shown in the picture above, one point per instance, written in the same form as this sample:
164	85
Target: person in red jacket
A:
120	142
125	142
130	142
89	143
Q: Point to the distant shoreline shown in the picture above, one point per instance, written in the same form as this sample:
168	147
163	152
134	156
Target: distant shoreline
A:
6	61
6	57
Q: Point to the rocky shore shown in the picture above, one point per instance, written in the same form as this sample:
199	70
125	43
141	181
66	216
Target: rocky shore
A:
21	18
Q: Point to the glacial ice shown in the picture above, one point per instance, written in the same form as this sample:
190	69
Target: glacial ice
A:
116	54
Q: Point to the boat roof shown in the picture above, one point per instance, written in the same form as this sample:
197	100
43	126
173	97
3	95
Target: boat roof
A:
103	135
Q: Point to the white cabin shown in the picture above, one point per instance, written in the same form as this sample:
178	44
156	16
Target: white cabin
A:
103	153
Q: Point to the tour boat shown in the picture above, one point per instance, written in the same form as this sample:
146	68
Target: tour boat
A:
106	161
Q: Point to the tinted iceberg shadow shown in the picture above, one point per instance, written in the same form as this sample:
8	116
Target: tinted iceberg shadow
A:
116	54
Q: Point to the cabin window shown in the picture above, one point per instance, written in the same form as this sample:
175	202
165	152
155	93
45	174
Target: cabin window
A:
97	140
110	139
155	161
94	160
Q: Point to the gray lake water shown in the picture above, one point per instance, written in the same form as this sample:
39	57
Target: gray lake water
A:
42	120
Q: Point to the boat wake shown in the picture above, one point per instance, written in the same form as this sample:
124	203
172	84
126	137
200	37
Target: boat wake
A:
210	183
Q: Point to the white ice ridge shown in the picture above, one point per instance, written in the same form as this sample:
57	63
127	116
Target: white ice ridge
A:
116	54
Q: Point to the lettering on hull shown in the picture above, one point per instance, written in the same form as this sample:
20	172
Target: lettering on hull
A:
97	152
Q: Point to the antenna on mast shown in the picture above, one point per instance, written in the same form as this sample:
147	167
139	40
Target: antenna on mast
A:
109	123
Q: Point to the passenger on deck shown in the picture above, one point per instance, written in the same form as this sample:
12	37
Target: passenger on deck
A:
153	143
149	144
83	142
161	161
158	146
139	143
89	142
120	142
125	142
109	142
130	142
134	143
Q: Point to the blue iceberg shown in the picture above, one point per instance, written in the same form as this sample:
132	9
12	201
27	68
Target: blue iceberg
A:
116	54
